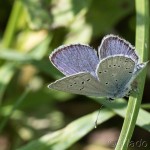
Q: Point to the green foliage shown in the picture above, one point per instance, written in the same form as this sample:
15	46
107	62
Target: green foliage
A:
38	118
62	139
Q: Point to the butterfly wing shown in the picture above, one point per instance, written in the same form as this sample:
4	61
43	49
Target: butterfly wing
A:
140	67
81	83
74	58
114	74
113	45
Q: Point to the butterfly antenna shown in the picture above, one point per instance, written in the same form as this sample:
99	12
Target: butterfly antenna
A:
98	115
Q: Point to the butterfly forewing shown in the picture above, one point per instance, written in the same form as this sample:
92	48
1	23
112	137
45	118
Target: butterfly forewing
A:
75	58
81	83
113	45
114	73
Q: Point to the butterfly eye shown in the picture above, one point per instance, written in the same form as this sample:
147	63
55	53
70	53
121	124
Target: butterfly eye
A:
82	82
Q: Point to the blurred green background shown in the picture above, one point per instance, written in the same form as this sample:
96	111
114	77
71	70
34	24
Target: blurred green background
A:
29	31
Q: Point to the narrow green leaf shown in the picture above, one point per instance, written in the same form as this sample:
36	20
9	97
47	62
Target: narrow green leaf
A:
142	39
13	55
11	25
6	73
17	103
119	106
64	138
146	106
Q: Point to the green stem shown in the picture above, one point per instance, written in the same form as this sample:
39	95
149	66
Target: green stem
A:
12	23
142	39
15	106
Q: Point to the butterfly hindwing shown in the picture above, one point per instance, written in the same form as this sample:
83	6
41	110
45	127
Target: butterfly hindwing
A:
81	83
115	73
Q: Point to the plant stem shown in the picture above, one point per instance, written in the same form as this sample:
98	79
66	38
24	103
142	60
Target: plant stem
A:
142	39
12	23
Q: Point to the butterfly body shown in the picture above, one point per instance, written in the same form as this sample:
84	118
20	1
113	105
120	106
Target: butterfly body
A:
109	74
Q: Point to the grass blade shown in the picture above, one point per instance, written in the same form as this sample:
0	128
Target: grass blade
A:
6	73
119	106
64	138
142	37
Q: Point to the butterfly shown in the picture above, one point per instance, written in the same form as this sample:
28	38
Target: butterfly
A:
109	73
